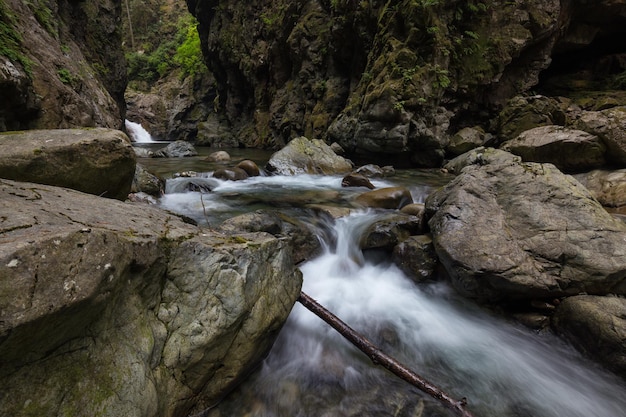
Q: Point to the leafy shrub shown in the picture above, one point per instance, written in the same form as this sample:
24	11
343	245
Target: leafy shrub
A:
180	53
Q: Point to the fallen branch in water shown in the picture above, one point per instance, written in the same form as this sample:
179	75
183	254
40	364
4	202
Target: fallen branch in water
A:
378	357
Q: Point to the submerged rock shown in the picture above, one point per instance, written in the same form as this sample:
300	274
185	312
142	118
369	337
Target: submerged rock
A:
504	229
94	161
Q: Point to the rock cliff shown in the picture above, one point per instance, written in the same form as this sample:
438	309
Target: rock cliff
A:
394	79
61	64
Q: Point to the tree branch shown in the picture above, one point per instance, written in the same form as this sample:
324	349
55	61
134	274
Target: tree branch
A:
378	357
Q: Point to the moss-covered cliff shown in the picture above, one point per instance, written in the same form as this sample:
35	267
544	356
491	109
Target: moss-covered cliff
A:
385	77
61	64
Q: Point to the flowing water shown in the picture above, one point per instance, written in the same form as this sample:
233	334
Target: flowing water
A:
137	132
502	369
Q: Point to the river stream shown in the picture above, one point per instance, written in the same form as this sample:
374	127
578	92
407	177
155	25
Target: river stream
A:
503	369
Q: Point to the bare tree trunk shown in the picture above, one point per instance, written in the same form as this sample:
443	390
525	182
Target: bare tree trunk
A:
378	357
130	26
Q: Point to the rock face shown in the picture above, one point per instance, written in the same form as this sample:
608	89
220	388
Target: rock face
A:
61	65
389	81
95	161
507	229
596	326
120	309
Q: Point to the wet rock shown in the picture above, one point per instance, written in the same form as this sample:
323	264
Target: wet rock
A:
608	187
304	156
416	257
504	229
147	183
390	230
232	174
569	149
356	180
178	149
596	326
129	302
94	161
251	168
219	156
387	198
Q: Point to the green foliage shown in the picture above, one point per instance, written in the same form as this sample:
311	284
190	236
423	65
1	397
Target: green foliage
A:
10	39
182	53
442	79
189	54
65	76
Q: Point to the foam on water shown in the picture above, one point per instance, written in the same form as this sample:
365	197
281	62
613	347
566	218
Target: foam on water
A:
503	370
137	132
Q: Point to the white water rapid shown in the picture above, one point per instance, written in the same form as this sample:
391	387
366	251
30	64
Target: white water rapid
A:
137	132
503	370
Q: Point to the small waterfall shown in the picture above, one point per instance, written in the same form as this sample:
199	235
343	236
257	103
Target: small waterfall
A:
137	132
504	370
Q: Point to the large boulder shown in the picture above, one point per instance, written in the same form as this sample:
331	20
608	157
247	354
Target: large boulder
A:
119	309
569	149
513	230
95	161
304	156
596	326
